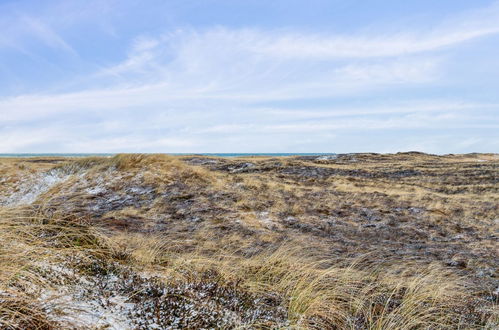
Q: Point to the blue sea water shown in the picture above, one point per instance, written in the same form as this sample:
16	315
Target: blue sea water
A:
21	155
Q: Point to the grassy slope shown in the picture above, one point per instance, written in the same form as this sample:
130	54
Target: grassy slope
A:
362	241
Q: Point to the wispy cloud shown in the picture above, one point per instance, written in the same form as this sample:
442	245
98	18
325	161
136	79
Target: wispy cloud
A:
195	50
46	34
189	89
21	30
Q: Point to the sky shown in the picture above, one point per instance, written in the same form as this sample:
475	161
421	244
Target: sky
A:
106	76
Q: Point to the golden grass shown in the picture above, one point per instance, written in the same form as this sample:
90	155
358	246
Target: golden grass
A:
317	290
345	295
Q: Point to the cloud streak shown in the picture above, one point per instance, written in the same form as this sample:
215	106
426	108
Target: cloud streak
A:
189	89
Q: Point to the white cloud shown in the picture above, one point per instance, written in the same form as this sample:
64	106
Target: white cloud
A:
19	32
407	121
452	31
18	139
46	34
409	106
130	143
188	88
181	88
302	46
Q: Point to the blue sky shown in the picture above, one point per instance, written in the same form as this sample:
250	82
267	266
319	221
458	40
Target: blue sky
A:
249	76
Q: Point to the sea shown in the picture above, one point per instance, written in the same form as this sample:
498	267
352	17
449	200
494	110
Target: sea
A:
26	155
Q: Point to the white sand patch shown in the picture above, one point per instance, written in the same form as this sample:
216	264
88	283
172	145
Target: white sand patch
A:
67	308
96	190
76	302
265	219
28	189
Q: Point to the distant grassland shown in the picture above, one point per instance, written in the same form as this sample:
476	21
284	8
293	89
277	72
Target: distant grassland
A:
355	241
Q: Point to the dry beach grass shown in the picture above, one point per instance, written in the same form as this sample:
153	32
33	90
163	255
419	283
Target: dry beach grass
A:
369	241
